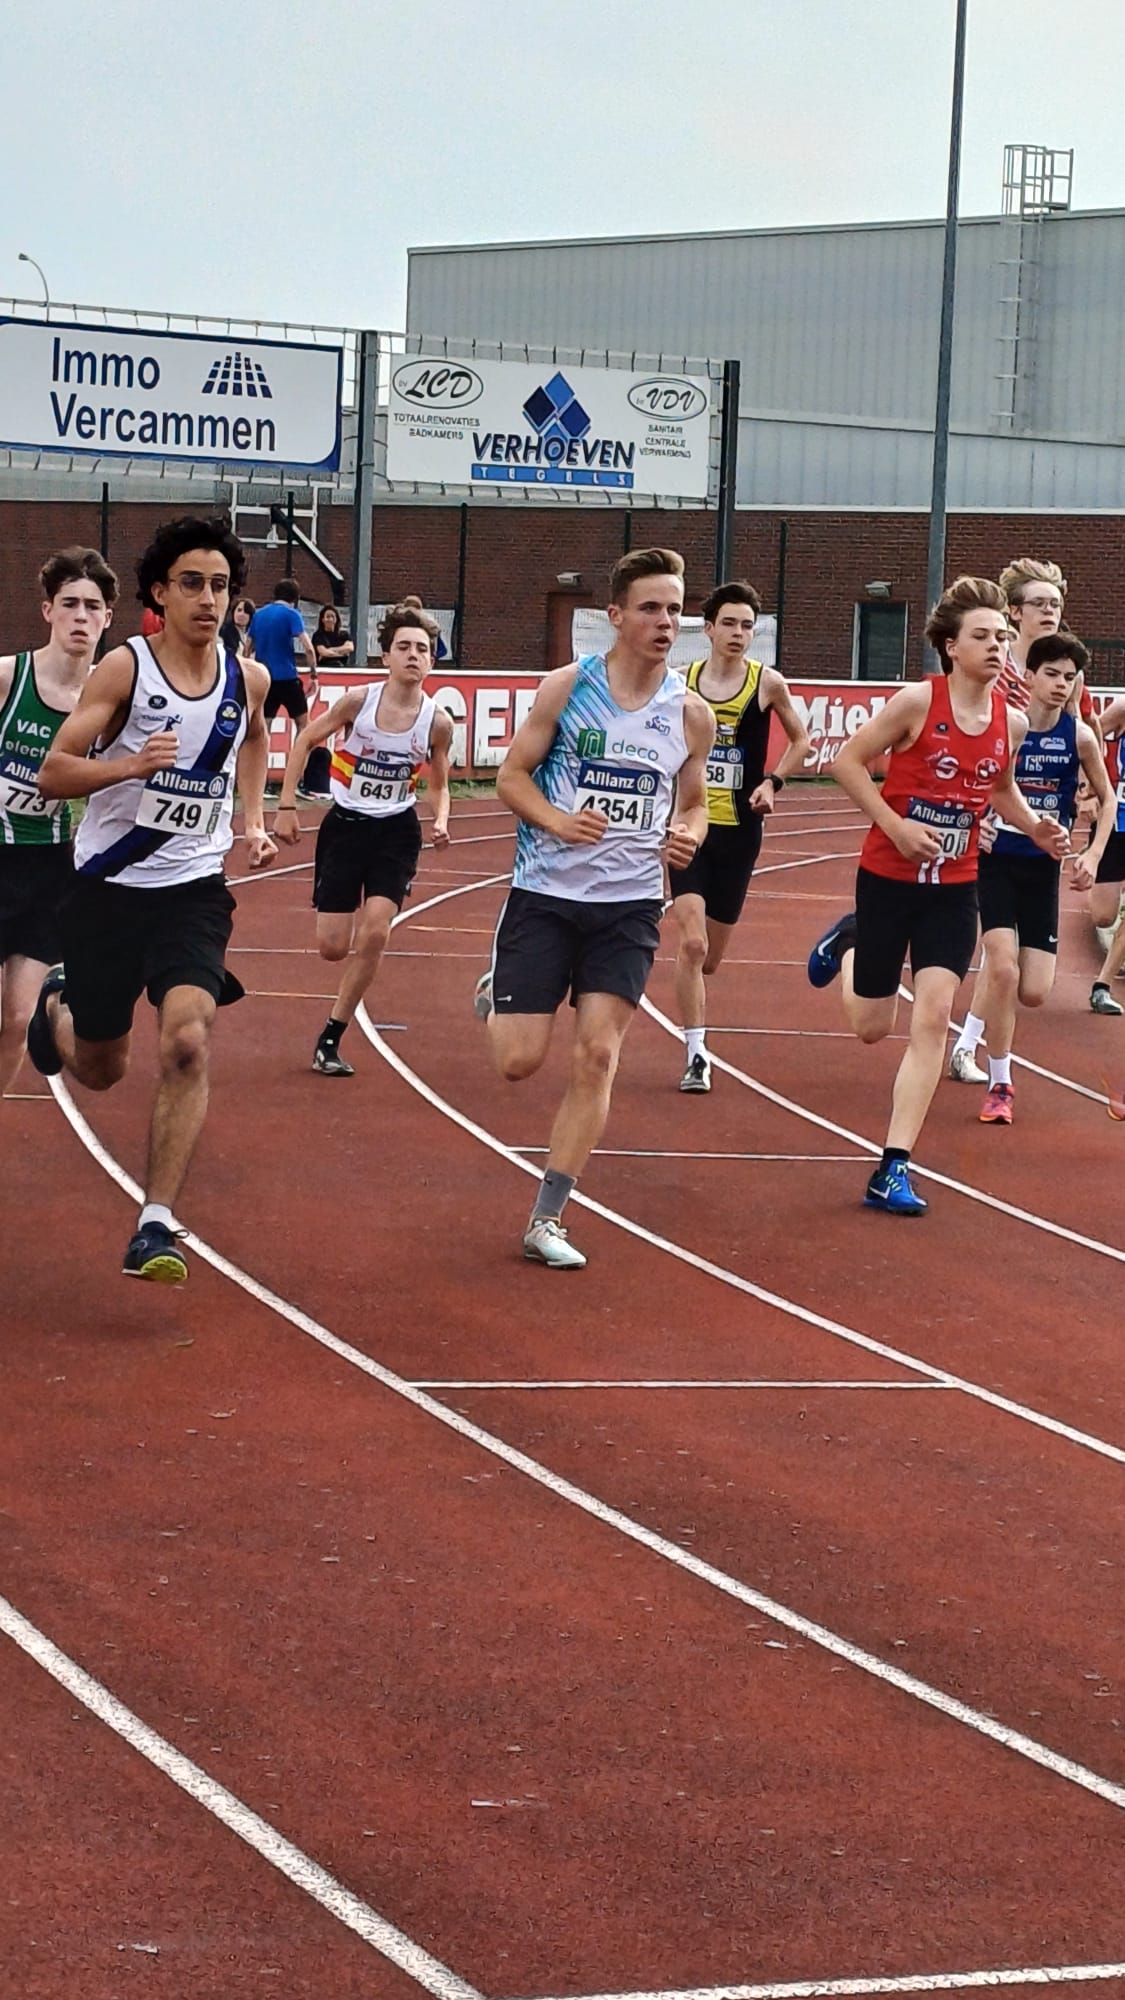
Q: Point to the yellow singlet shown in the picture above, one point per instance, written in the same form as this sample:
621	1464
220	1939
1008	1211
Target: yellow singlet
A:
737	763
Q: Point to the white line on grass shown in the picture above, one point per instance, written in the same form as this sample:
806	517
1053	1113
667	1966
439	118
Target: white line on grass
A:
240	1819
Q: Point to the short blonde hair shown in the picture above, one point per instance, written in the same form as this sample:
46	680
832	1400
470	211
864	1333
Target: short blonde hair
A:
1015	579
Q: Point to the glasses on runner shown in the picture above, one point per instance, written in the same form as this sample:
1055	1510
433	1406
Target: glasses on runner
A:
192	582
1042	603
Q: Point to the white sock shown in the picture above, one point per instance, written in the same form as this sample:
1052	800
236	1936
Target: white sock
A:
1000	1069
971	1034
696	1039
153	1212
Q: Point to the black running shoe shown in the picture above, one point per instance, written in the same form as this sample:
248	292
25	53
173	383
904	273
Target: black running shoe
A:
155	1254
40	1035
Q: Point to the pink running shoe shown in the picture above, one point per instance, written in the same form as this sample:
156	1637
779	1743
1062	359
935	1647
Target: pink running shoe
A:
997	1106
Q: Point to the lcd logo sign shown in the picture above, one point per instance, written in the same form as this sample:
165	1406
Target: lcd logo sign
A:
118	392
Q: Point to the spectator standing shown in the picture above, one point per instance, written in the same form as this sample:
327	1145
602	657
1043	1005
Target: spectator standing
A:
277	634
331	644
235	631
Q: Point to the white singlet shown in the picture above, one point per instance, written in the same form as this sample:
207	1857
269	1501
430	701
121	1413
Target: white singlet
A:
375	771
623	762
176	825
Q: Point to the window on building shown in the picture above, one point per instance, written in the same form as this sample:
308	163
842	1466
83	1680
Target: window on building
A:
879	652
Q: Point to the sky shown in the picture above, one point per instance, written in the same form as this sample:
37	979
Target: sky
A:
275	161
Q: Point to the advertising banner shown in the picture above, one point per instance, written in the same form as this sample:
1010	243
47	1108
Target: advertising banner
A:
121	392
487	709
514	424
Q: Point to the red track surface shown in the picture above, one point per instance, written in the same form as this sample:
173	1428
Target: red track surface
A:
364	1623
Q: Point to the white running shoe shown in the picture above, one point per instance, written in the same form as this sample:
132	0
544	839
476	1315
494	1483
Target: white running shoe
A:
697	1076
964	1067
545	1242
482	997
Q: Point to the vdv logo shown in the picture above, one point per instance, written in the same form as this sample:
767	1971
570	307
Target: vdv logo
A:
226	722
237	374
658	722
591	743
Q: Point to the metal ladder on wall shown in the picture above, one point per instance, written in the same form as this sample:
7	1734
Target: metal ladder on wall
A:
1037	184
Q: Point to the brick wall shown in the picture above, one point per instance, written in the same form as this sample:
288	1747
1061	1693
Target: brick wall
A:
515	554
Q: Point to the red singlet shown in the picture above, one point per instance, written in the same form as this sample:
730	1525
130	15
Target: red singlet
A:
943	782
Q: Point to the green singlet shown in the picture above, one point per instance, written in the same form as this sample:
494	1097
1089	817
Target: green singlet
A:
27	730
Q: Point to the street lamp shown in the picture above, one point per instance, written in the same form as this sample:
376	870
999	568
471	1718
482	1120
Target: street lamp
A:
25	259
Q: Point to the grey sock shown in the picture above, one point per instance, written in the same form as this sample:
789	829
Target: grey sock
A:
555	1190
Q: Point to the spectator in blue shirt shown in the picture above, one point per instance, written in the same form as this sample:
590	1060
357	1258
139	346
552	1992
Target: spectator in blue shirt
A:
275	631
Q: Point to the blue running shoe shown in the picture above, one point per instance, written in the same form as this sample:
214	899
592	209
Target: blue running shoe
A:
890	1188
825	956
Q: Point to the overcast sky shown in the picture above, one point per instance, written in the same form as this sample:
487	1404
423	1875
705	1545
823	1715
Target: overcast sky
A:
275	160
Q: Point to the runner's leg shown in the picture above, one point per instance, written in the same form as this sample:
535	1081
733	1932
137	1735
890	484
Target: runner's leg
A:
372	929
20	980
601	1023
184	1016
919	1072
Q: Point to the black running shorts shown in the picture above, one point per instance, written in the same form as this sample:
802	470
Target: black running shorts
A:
549	946
1111	867
120	942
933	924
287	695
1020	892
721	870
34	884
358	856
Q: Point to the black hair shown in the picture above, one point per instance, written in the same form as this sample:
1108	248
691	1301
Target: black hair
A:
286	589
730	593
173	540
1056	646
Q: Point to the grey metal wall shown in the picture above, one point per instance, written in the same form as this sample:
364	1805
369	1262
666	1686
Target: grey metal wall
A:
836	330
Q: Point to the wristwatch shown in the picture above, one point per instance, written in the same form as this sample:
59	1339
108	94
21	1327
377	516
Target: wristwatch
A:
777	783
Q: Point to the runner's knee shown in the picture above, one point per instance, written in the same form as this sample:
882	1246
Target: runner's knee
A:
693	952
183	1048
332	950
595	1058
99	1069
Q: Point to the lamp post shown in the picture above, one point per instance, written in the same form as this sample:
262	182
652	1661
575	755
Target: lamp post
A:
25	259
935	567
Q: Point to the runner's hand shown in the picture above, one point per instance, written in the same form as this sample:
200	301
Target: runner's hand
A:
581	829
287	828
763	798
159	754
439	835
1084	873
680	846
260	849
988	832
914	842
1052	837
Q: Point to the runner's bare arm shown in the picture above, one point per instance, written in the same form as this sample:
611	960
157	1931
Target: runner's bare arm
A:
1008	802
515	786
687	828
1093	765
68	771
437	789
894	728
1112	718
340	716
7	675
774	693
251	767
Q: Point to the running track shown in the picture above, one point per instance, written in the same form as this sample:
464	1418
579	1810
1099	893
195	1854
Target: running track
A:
742	1616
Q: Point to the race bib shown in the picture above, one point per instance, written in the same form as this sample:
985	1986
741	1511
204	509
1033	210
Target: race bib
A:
626	797
725	767
382	781
19	790
950	825
188	802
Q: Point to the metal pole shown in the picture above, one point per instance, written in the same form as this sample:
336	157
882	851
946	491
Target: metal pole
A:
363	507
935	566
459	614
289	541
728	470
105	521
779	591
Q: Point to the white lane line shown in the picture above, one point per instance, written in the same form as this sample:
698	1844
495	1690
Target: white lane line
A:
306	1874
1026	1747
971	1193
925	1982
800	1034
643	1153
647	1384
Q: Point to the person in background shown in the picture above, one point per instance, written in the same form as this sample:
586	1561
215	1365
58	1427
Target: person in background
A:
331	644
277	634
235	633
